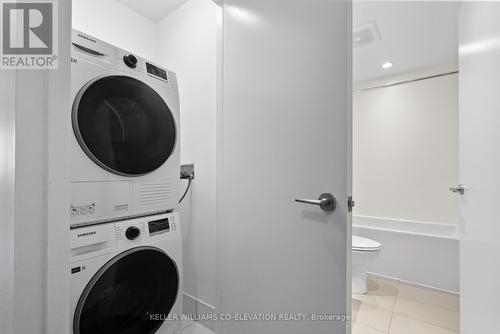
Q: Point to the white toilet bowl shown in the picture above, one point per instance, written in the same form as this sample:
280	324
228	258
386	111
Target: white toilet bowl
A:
364	252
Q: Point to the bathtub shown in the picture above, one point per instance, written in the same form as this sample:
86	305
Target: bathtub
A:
419	253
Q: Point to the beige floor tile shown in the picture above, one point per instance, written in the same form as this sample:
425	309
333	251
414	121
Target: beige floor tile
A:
358	328
187	323
373	316
356	305
427	296
431	314
376	283
380	293
196	328
401	324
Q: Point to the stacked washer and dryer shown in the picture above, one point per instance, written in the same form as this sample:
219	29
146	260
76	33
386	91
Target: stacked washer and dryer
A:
126	252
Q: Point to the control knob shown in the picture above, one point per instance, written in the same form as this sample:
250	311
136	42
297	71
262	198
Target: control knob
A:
132	233
130	60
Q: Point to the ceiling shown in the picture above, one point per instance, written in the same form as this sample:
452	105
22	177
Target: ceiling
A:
153	9
414	36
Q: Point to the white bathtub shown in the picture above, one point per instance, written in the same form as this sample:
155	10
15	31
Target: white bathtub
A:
420	253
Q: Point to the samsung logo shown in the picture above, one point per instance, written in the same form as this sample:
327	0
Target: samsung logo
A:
87	234
87	38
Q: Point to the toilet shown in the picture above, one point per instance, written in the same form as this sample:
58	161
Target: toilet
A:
364	252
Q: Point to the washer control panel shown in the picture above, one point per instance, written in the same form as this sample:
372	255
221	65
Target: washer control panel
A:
144	230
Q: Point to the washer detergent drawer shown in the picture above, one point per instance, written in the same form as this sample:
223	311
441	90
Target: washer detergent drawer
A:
100	201
92	241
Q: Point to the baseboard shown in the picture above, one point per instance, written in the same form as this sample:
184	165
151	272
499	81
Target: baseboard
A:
422	286
198	310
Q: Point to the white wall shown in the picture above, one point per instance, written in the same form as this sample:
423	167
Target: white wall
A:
406	151
480	165
187	43
7	196
34	183
116	24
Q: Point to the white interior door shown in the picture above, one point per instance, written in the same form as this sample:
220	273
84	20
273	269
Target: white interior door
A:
285	128
480	165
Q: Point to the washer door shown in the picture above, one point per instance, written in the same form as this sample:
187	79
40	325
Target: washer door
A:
124	125
132	294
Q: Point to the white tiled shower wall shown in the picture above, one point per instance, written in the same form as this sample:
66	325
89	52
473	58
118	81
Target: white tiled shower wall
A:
405	151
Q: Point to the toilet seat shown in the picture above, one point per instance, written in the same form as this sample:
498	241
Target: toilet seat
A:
361	244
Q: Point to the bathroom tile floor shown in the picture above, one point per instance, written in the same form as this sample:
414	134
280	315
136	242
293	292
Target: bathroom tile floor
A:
193	327
391	307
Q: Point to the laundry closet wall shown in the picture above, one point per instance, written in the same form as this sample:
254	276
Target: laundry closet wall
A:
187	42
34	192
116	24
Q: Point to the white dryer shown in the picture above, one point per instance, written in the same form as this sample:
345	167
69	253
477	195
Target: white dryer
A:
126	277
125	159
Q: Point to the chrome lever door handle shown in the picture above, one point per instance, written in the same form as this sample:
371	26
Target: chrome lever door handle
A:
327	202
460	189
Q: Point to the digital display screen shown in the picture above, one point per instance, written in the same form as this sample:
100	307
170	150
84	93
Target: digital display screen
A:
156	71
161	225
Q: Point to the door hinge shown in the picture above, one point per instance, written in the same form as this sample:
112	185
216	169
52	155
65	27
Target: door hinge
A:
350	203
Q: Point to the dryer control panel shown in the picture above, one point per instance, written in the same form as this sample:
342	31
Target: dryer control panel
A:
90	49
159	226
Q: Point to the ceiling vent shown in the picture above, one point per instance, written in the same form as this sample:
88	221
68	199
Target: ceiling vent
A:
365	34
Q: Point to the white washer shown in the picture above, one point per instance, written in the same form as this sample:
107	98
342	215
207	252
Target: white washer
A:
125	158
126	277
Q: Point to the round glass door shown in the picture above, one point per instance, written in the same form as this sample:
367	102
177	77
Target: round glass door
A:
132	294
124	125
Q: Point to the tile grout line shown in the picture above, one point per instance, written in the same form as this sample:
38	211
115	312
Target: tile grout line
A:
418	319
394	306
424	321
371	327
393	311
184	328
429	304
427	289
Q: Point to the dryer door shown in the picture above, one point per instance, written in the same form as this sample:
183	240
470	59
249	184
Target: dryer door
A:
124	125
132	294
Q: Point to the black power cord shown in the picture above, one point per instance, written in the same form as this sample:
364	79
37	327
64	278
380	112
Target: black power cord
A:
187	189
187	173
